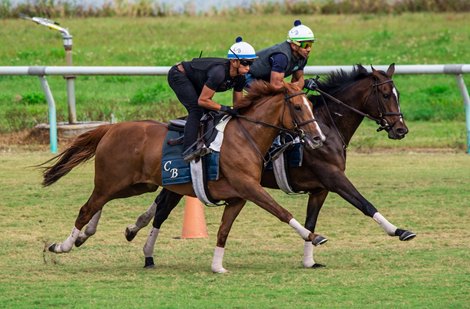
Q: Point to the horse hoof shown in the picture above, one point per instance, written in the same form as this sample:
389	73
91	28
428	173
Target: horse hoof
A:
149	263
129	234
318	265
51	248
220	271
407	235
319	240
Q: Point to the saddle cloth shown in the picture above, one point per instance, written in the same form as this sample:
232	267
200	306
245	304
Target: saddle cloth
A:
177	171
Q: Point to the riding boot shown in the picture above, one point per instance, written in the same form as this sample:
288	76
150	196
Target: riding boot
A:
190	136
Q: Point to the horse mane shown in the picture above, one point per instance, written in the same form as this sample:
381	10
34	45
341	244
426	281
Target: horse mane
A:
341	79
258	90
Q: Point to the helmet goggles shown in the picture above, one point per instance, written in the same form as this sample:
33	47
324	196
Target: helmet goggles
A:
246	62
304	44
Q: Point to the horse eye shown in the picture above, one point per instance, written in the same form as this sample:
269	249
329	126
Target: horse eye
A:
297	107
386	96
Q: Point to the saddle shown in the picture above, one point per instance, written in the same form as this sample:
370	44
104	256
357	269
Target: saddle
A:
207	129
175	170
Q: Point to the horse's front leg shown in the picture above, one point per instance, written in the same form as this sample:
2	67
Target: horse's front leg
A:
165	202
255	193
346	190
315	203
90	230
231	212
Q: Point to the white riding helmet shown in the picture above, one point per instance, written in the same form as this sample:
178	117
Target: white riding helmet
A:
300	33
241	50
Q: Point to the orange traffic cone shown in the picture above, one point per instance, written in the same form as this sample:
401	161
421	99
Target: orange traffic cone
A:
194	222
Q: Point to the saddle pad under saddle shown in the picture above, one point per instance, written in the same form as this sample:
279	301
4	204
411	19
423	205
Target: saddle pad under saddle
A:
176	171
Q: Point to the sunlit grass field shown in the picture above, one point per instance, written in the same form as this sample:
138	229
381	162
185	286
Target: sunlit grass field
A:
426	193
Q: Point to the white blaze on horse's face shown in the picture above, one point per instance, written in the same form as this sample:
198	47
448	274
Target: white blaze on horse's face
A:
395	93
317	127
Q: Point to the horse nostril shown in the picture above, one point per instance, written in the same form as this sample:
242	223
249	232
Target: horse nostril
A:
402	131
317	141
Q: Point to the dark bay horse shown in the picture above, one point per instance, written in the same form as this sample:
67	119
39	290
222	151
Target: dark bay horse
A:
363	94
128	160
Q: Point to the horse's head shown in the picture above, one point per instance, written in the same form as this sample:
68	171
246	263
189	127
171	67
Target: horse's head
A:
383	103
287	109
299	117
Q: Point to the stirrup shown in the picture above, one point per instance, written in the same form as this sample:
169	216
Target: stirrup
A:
200	152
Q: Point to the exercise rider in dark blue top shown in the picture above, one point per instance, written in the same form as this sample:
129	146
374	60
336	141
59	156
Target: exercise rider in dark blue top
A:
195	82
285	59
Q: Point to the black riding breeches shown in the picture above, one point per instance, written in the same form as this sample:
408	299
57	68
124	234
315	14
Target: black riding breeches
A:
186	94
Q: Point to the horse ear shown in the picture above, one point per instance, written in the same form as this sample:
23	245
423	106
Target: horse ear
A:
391	70
373	69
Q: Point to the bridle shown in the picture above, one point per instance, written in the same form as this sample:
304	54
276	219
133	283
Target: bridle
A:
382	113
381	121
296	131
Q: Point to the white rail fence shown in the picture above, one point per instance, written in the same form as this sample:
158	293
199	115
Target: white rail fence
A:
42	71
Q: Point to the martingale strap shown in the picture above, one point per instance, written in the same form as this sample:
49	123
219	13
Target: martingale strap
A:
251	141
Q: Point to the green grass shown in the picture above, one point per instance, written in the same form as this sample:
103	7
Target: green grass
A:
421	38
427	193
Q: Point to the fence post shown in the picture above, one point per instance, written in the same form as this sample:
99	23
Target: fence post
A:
70	79
466	102
52	114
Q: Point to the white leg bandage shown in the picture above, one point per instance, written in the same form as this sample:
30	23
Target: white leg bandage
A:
93	224
67	245
387	226
150	243
217	261
303	232
144	219
308	255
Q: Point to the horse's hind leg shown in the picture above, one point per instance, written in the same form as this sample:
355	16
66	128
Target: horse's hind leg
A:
94	204
165	202
142	221
315	203
90	229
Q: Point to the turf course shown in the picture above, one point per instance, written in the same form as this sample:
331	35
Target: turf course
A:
427	193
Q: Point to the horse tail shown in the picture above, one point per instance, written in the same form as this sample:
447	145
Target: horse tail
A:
82	149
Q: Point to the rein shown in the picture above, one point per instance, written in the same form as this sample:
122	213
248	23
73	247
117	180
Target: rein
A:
282	129
296	130
332	98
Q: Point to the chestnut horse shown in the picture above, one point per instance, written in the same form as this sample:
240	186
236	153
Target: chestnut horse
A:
128	160
358	94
